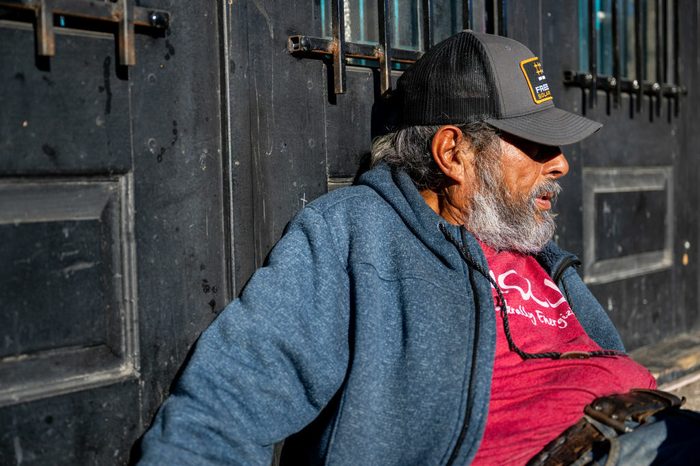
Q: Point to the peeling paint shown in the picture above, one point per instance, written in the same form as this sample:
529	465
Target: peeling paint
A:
265	15
77	267
65	254
19	454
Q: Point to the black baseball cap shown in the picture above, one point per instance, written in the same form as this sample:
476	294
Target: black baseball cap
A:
473	77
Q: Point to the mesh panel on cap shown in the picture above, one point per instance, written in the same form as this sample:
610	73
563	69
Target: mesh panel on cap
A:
451	83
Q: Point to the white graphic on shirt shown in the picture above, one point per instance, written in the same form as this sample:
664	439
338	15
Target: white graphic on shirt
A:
539	316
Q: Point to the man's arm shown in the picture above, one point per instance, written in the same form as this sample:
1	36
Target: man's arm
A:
268	364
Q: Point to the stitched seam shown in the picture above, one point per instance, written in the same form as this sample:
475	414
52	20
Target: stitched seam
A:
409	277
331	234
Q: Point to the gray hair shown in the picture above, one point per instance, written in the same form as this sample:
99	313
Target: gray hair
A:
410	150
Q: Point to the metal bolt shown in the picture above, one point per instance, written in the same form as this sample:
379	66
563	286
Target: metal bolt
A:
159	19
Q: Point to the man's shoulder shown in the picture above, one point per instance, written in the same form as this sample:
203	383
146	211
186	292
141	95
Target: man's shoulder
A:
350	204
353	213
345	197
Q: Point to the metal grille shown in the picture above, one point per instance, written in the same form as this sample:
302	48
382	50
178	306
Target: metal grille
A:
382	52
631	47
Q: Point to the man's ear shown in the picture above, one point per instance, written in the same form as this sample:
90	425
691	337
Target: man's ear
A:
444	147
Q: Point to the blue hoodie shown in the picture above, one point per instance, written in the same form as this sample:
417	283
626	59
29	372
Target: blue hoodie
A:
365	339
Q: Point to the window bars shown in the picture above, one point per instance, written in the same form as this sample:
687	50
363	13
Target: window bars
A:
85	14
496	17
384	54
654	60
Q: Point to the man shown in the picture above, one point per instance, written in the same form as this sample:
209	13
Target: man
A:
417	317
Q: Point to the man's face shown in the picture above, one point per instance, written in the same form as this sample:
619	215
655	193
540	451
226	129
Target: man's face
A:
516	187
526	166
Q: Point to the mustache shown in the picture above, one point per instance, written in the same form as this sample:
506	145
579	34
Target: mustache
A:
547	186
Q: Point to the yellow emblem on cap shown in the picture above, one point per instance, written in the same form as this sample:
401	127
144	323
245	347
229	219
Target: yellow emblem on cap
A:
536	80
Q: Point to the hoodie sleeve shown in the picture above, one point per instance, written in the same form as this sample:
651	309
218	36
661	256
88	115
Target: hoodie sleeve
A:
268	364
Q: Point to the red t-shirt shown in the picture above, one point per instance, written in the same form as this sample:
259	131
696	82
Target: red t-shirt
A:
534	400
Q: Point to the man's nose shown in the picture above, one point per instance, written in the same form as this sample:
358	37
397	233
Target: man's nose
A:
557	166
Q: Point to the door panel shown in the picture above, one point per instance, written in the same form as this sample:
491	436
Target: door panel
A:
77	89
92	427
67	316
111	230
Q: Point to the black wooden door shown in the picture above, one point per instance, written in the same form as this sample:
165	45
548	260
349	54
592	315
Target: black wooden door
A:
293	137
111	228
629	204
135	202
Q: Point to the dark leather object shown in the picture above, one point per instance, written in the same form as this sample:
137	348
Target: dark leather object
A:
573	443
623	412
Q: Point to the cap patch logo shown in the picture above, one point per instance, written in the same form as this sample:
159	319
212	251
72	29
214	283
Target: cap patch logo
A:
536	80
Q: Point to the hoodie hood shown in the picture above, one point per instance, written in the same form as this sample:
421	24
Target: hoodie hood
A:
398	190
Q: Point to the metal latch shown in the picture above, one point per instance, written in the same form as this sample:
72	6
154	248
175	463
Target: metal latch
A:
340	50
121	12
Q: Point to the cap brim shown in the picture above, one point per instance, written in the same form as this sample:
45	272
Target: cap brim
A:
551	127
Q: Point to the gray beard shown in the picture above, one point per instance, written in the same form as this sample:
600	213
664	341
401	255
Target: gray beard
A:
505	223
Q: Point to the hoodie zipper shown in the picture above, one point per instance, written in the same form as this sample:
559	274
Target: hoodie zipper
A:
467	413
472	375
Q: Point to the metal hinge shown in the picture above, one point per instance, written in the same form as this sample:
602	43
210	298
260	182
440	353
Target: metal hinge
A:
122	13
